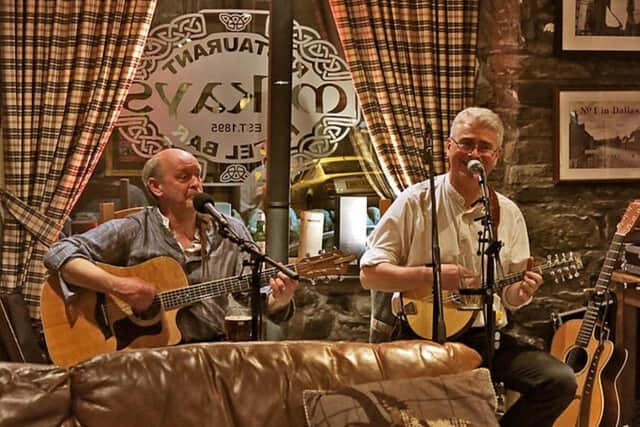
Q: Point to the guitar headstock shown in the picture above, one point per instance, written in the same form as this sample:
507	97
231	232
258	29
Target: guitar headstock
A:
563	267
630	218
328	264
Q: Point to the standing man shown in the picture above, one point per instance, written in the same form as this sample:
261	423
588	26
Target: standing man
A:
173	229
399	252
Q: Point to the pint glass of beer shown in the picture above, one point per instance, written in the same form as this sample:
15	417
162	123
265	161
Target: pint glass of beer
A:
237	324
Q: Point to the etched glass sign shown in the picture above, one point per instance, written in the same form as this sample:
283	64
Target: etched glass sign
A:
202	85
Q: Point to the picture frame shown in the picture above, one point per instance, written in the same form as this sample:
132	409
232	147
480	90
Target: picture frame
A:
597	134
597	26
121	159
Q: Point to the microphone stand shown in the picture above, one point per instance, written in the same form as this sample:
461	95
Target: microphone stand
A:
257	259
438	333
489	248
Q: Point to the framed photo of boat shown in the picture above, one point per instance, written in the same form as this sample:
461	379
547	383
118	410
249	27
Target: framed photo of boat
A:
597	134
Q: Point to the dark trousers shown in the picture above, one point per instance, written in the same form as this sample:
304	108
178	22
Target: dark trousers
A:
546	384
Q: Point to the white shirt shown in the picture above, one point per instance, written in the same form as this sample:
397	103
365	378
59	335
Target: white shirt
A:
403	235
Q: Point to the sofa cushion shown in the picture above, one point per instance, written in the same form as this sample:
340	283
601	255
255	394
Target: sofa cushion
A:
34	395
243	384
463	399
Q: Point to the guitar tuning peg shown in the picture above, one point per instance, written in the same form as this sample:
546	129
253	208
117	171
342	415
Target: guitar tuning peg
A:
553	276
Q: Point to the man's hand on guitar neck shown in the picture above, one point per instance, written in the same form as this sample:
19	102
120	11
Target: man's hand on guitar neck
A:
521	293
282	289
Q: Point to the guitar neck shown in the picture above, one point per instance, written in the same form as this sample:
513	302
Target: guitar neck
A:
181	297
602	285
510	279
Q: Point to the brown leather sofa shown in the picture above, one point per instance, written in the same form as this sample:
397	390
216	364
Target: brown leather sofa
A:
219	384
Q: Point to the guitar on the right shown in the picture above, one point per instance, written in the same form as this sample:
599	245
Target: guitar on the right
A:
584	345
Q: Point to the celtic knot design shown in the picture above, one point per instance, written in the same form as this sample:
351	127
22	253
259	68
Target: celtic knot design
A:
142	134
327	133
163	38
235	21
234	173
321	54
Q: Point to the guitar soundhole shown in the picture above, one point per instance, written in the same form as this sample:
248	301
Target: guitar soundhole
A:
577	359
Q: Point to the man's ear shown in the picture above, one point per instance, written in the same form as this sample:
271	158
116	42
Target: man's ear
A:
154	187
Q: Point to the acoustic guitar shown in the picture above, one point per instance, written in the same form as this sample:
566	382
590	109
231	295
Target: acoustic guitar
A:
585	347
95	323
418	304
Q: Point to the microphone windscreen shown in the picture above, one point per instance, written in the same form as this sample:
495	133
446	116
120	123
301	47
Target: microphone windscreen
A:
475	166
200	200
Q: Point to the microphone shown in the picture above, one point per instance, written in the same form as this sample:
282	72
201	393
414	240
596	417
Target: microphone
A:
475	167
203	203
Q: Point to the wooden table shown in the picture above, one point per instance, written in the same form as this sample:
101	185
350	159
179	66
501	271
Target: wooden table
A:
628	303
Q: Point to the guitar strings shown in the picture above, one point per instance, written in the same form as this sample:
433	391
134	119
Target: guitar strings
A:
195	293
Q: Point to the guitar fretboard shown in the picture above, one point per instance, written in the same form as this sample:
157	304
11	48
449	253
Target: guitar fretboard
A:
510	279
188	295
601	289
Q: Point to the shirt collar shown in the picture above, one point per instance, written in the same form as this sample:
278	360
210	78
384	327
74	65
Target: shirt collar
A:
457	199
194	249
165	220
452	194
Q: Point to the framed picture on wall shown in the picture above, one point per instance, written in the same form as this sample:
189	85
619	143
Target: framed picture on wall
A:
121	159
591	26
597	134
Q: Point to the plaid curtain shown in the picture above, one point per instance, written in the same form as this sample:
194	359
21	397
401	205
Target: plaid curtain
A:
65	69
413	66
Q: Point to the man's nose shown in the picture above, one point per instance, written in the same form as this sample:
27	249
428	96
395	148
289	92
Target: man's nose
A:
475	149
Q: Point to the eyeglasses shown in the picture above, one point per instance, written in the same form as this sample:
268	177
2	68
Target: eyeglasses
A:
467	146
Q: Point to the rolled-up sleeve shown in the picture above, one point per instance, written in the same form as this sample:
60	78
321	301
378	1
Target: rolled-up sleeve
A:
392	236
101	244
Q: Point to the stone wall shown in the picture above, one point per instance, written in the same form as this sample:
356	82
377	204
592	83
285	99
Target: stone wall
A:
518	73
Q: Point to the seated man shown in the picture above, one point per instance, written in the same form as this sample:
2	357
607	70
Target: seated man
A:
399	252
173	229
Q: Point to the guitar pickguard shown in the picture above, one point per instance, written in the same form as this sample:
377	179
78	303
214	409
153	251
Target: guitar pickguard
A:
101	317
126	331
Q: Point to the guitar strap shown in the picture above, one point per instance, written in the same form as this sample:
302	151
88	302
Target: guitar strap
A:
494	207
203	222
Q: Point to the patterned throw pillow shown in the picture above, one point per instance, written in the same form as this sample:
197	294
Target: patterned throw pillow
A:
459	400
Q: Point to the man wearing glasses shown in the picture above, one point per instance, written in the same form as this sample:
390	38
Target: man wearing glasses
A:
399	254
